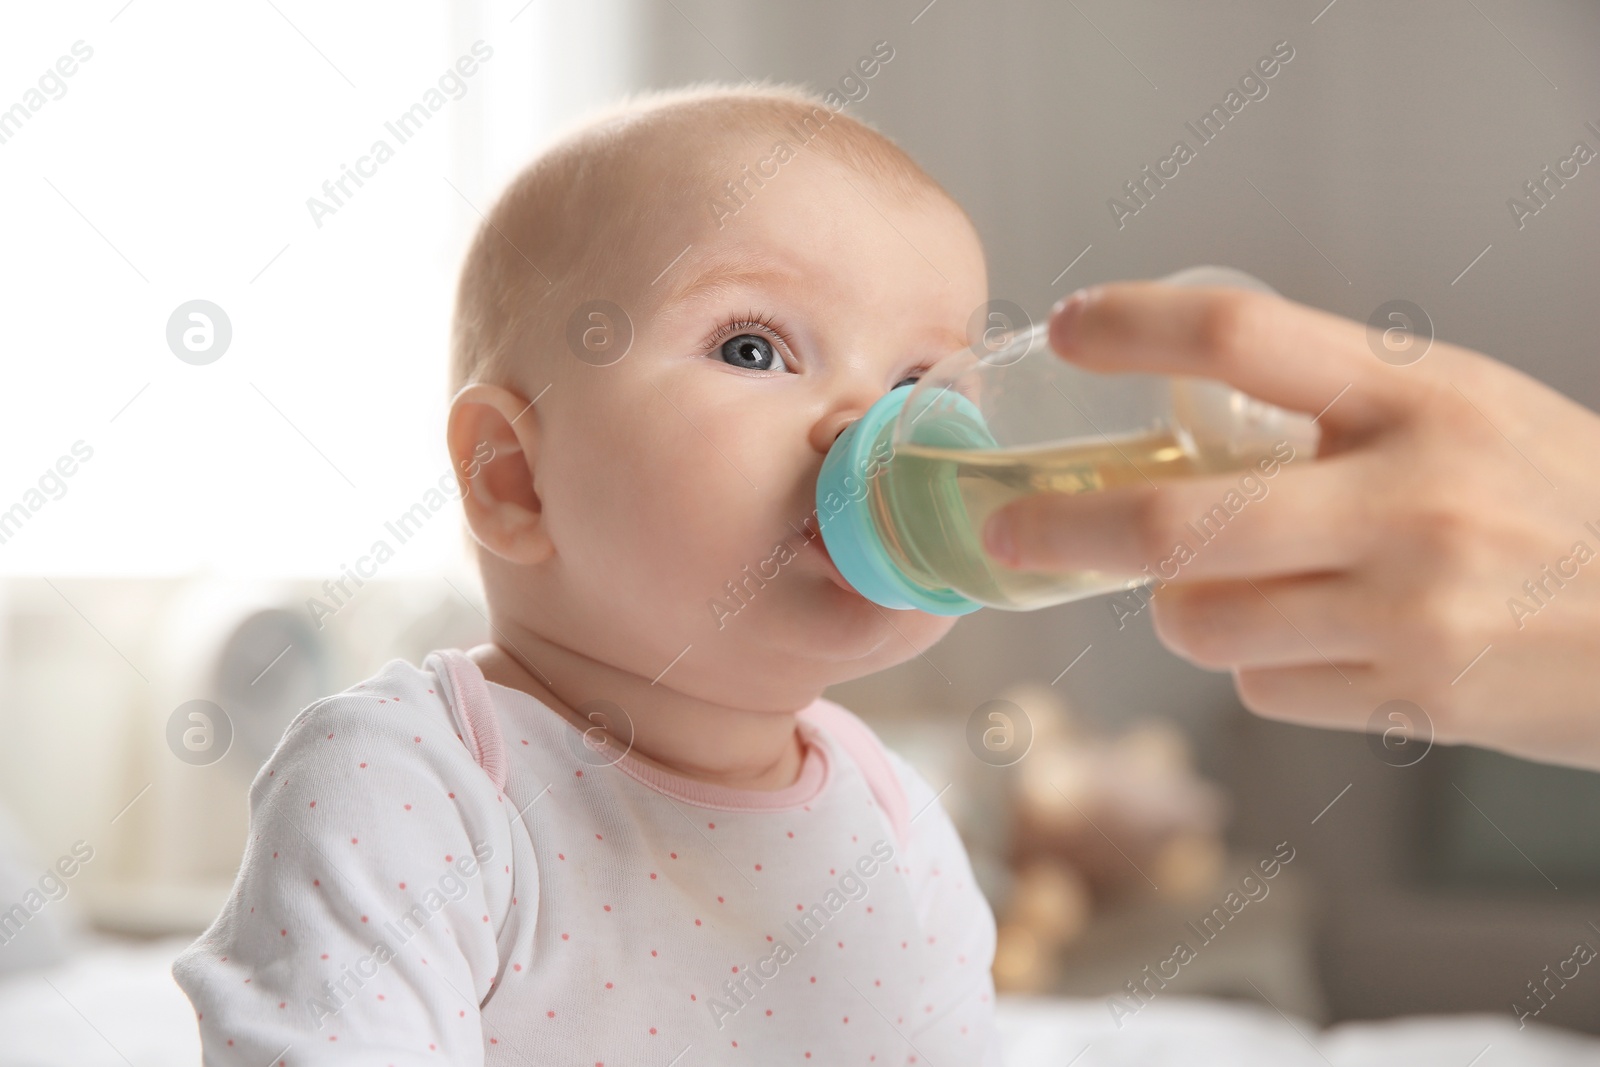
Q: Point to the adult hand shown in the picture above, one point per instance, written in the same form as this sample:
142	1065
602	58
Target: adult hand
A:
1441	549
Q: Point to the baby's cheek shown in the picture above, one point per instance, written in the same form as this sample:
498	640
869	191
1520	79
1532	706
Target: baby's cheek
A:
669	512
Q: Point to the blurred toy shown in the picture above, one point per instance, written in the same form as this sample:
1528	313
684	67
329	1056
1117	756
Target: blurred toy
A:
1095	821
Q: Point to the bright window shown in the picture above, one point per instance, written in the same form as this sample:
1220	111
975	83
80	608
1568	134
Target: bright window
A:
179	161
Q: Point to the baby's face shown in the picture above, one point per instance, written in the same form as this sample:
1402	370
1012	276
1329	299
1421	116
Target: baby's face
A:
692	461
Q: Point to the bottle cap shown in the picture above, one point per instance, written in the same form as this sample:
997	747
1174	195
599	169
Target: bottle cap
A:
858	455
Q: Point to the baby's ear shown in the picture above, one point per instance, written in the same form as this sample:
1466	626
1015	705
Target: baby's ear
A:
493	435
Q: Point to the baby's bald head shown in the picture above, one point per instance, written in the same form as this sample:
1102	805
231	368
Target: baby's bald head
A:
600	214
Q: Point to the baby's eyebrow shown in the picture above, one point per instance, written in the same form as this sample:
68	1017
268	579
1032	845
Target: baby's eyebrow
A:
725	275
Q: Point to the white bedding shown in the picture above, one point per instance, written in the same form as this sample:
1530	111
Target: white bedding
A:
1195	1032
115	1004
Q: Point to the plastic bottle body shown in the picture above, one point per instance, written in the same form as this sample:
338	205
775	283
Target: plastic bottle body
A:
990	424
932	505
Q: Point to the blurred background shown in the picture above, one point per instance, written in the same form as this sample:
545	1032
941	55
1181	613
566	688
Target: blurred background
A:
163	521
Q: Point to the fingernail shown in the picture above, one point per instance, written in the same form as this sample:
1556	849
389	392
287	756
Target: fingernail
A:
1064	319
999	540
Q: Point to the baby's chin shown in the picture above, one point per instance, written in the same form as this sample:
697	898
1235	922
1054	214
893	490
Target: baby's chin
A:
841	633
819	637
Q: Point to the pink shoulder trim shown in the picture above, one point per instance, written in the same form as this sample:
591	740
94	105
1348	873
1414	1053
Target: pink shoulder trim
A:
467	694
863	746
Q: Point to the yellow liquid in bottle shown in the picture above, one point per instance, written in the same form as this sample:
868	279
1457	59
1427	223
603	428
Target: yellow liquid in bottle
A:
930	505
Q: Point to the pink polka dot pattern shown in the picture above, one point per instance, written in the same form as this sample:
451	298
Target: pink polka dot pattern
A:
587	908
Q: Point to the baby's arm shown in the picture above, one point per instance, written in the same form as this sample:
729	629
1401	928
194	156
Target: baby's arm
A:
360	928
955	1023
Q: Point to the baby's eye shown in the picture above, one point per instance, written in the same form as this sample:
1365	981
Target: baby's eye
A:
751	351
910	379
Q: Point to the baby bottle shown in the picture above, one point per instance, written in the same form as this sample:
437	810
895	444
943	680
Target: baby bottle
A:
905	490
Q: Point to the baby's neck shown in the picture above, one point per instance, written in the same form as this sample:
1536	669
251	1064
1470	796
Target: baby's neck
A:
727	746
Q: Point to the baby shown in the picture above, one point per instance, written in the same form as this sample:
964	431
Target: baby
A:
631	830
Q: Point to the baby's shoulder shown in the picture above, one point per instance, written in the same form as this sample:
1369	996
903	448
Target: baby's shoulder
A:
383	706
395	724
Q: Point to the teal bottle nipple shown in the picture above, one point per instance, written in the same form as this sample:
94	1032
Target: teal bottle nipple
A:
863	454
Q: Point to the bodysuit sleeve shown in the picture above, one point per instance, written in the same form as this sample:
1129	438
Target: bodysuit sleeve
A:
361	928
956	1022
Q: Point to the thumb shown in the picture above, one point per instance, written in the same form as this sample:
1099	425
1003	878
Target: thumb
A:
1064	531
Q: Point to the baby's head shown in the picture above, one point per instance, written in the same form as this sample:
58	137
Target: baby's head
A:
661	327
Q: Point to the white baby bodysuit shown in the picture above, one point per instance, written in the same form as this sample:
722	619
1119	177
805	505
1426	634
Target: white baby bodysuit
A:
441	871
